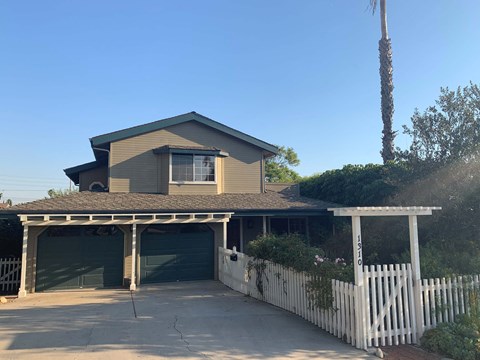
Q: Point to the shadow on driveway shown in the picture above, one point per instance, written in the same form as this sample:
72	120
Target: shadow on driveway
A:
189	320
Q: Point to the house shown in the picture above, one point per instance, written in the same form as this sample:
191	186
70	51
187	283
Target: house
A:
155	205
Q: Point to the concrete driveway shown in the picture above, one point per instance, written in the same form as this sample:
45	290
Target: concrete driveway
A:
191	320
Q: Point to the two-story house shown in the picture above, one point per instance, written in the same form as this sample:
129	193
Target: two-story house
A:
155	205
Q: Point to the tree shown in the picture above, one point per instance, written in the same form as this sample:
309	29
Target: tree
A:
386	81
8	201
356	185
448	131
54	193
277	168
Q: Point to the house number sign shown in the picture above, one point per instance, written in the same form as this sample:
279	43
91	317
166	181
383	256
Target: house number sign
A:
359	251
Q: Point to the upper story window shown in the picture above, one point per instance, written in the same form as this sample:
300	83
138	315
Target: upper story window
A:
192	167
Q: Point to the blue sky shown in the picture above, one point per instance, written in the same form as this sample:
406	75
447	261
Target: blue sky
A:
296	73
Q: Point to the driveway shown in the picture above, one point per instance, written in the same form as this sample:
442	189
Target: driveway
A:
190	320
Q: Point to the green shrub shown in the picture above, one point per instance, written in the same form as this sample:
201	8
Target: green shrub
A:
460	339
357	185
292	251
288	250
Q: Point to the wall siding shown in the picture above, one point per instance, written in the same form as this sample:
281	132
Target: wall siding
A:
134	167
163	173
87	177
218	230
193	189
33	233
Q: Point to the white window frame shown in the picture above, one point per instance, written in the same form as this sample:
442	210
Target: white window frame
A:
193	182
95	183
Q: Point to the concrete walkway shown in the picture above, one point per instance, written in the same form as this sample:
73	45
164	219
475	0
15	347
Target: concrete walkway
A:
196	320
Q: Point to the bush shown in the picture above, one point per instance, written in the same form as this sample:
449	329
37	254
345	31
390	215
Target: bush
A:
292	251
288	250
357	185
460	339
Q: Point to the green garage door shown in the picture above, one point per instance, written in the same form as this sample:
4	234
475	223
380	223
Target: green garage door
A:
176	253
75	257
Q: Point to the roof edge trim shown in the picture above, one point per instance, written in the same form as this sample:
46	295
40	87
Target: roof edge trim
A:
164	123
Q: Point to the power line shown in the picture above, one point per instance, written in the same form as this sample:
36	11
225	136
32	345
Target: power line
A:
13	190
31	179
28	177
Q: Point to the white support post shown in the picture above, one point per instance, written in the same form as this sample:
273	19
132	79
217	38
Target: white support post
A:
133	280
224	234
360	321
415	259
22	292
264	225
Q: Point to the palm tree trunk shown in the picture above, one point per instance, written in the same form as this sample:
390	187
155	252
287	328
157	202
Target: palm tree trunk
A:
386	80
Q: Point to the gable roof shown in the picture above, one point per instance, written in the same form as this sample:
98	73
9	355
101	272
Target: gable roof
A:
74	172
100	140
113	203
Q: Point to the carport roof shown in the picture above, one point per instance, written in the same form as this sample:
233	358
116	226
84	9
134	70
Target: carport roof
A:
111	203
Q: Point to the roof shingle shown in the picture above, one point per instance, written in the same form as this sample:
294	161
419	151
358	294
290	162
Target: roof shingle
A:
97	202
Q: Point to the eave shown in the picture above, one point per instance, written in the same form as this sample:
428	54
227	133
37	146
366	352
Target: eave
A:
102	140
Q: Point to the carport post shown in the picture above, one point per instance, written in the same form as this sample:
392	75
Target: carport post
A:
22	292
133	280
224	234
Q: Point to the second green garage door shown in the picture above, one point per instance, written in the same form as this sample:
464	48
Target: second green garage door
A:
75	257
176	253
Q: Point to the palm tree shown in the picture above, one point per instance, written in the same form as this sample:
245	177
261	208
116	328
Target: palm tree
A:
386	81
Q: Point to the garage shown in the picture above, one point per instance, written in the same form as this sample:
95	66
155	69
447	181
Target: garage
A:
76	257
178	252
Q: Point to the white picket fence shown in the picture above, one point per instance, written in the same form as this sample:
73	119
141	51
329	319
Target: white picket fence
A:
287	289
381	312
10	275
444	299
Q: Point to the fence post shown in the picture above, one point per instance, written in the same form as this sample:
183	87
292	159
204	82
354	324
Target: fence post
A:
417	285
360	321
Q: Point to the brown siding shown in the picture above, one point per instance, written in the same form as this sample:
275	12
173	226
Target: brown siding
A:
193	189
134	167
163	173
99	174
218	230
33	233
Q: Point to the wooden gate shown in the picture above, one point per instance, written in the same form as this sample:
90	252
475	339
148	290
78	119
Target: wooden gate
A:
389	305
10	275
